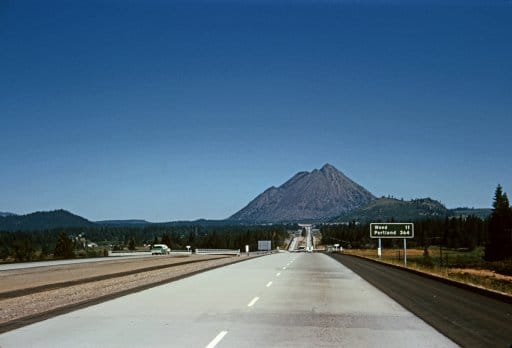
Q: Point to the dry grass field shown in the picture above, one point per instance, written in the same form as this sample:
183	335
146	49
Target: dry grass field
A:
463	266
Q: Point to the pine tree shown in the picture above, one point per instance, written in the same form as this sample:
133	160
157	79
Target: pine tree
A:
166	240
64	247
499	245
131	244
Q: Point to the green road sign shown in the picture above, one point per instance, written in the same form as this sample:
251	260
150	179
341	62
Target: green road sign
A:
391	230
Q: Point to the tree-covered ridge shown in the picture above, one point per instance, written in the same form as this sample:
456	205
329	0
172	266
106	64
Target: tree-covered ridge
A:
28	245
386	209
43	220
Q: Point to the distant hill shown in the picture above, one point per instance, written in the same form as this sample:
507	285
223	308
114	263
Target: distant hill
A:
42	221
482	213
4	214
123	223
385	209
308	196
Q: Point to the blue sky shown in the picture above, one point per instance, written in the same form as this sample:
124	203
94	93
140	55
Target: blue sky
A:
166	110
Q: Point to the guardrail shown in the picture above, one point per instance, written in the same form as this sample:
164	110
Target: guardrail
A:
180	253
218	252
128	253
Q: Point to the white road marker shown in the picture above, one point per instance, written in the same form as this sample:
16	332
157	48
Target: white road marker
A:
278	274
284	267
268	284
254	300
217	339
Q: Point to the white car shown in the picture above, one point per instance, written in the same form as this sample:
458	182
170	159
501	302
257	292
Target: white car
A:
160	249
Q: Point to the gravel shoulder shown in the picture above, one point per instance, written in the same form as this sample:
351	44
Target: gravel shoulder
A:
19	279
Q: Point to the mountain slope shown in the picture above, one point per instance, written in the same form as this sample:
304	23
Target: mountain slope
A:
317	195
42	221
385	209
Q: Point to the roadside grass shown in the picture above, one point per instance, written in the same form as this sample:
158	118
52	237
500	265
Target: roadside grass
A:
463	266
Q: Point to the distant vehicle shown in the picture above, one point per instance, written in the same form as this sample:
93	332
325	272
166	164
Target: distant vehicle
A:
160	249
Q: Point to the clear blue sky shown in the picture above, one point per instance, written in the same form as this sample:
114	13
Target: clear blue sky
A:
165	110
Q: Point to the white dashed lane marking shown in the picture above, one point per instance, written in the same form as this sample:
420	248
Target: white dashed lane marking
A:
217	339
253	301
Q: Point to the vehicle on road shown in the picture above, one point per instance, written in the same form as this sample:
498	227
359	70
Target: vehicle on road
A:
160	249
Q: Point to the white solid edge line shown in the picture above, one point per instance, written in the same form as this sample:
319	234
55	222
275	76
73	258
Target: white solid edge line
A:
268	284
254	300
217	339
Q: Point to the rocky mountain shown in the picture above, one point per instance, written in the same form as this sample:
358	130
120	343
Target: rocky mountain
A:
308	196
386	209
43	221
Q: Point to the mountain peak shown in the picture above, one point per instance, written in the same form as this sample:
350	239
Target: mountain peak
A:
316	195
328	167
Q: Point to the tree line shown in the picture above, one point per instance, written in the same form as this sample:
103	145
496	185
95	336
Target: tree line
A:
71	242
493	233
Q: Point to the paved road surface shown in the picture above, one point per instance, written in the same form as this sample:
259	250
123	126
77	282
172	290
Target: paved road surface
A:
470	319
281	300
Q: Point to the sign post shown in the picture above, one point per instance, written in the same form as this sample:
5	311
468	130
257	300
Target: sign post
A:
405	252
392	230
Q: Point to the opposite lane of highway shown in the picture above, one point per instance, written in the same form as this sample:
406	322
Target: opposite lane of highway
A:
51	263
315	301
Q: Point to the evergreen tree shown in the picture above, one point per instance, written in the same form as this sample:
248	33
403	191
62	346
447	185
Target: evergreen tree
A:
166	240
4	252
499	245
131	244
64	247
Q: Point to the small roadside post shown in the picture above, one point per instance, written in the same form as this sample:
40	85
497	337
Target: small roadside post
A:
392	230
188	249
405	252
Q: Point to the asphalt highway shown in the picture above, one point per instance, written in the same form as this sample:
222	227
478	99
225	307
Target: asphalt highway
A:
280	300
468	318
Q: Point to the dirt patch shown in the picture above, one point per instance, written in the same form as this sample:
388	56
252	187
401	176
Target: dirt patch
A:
482	273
